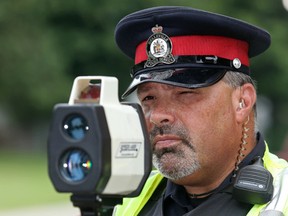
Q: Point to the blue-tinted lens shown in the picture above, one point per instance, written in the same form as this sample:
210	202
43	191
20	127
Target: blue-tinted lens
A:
75	126
75	165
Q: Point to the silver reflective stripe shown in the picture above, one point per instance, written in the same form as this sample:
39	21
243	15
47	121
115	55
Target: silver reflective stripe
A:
278	202
271	213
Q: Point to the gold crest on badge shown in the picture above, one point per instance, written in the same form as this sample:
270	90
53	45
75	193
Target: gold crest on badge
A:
159	48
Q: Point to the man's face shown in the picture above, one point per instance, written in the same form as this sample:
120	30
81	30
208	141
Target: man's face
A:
192	131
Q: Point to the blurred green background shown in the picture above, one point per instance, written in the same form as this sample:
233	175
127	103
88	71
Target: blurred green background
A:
45	44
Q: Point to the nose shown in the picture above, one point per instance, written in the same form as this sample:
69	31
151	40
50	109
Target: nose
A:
161	114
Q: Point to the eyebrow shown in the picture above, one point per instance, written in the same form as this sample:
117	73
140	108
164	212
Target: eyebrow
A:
148	87
143	88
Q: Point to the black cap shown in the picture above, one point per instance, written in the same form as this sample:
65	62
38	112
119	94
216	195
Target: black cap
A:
186	47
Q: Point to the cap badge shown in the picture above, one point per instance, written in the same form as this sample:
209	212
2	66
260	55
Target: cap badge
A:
158	48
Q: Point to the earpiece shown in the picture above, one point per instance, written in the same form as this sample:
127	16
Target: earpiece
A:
242	104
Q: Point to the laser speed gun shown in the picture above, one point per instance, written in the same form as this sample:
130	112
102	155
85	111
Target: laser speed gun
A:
97	145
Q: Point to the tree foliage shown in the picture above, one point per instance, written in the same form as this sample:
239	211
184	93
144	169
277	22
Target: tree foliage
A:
46	44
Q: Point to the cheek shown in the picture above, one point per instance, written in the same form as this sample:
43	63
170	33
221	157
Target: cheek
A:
211	129
149	125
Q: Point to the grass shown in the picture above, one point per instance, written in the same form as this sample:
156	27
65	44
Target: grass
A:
24	181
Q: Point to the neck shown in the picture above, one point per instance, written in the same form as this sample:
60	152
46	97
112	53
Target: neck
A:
202	195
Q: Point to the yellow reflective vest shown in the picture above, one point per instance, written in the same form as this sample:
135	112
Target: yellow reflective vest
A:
278	206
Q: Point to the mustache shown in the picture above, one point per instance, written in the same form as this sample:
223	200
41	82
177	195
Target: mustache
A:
179	131
165	129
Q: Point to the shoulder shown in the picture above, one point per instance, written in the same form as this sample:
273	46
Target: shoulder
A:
273	163
132	206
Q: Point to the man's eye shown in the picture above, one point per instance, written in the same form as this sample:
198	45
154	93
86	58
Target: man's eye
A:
148	98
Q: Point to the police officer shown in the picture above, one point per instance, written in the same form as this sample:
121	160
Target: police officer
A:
192	78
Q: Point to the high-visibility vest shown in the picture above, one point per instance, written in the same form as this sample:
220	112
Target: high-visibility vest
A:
278	206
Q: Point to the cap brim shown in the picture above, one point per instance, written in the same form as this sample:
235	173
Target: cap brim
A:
181	77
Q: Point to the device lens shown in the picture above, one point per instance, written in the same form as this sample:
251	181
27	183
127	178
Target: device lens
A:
75	126
75	165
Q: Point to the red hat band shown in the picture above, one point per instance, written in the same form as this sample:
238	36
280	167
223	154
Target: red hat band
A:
224	47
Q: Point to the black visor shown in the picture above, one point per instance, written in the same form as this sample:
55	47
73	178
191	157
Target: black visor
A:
181	77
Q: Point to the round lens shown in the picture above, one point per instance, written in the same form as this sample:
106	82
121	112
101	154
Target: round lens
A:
75	165
75	126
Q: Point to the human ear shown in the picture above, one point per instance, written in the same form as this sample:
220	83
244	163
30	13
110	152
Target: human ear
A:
246	101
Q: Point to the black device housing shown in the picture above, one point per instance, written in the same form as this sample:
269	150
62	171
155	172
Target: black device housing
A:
100	154
253	184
